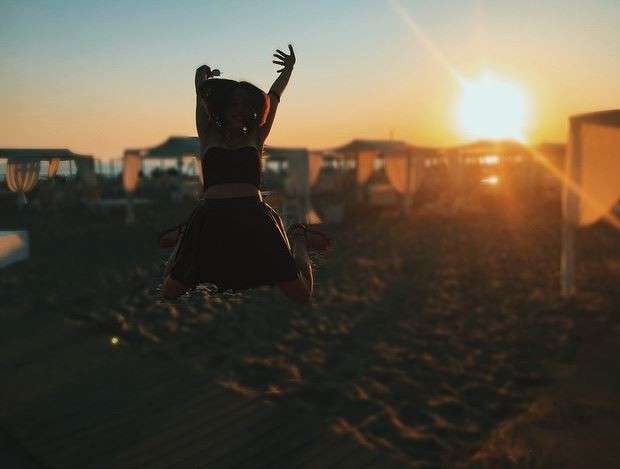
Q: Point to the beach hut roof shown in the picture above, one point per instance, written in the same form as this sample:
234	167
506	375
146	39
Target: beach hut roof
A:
358	145
38	154
176	146
486	147
607	118
173	147
385	147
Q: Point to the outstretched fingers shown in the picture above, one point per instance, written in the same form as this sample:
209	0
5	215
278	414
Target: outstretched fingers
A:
286	61
204	72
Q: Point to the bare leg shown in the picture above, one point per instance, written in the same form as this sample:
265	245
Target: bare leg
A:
300	254
300	290
171	259
172	288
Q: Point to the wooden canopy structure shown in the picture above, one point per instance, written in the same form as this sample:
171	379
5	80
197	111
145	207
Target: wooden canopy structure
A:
591	181
501	148
174	147
85	164
178	147
403	163
24	167
39	154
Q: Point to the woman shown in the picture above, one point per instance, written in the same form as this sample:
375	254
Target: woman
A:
233	239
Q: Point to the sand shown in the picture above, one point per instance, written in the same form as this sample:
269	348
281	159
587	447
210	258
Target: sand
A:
427	338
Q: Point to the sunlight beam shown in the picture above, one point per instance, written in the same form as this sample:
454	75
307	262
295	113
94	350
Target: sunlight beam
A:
574	187
425	41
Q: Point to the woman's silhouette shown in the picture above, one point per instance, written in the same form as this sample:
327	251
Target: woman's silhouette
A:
233	239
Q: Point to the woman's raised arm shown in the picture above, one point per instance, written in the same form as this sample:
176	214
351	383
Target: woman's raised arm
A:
287	61
203	73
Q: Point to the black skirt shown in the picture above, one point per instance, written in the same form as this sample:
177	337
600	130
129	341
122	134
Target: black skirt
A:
235	244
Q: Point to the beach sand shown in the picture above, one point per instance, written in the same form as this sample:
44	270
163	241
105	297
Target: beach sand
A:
430	339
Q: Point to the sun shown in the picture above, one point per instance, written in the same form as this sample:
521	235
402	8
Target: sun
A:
492	108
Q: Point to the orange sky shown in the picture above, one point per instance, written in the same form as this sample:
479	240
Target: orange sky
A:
116	81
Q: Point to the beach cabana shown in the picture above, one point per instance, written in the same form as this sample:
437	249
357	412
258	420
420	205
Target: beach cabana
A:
487	153
367	152
49	159
403	163
303	168
24	168
591	184
25	165
298	161
174	148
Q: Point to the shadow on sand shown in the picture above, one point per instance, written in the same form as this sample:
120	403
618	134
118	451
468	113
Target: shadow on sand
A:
424	336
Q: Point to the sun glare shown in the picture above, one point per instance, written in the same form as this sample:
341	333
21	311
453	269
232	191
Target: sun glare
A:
492	108
490	180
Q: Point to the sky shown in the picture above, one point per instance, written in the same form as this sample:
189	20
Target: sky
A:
101	76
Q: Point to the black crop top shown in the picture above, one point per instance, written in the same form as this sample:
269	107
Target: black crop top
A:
223	165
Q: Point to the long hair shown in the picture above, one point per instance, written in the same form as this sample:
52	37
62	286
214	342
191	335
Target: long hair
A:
217	94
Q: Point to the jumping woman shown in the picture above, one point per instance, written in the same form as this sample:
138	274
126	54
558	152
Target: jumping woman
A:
233	239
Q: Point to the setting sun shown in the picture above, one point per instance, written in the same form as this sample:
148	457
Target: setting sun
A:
491	107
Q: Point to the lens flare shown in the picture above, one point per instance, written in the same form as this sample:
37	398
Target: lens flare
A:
490	180
492	108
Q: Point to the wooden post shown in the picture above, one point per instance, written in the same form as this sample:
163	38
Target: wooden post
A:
359	188
568	259
571	210
407	200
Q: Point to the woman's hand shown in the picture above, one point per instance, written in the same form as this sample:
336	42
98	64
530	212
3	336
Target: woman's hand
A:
204	72
286	61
